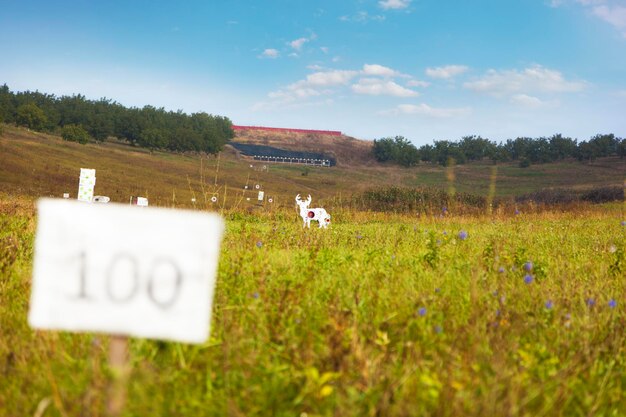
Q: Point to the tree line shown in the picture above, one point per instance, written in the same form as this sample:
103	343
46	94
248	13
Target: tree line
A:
475	148
78	119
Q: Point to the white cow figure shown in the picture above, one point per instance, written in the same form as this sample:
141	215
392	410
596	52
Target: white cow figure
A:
318	214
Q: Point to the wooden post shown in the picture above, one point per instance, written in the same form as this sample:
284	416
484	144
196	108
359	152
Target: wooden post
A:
120	370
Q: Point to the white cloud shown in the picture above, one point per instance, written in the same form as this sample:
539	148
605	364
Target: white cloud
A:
378	70
417	83
328	78
446	72
297	44
315	67
532	79
362	17
378	87
428	111
270	53
315	84
612	12
394	4
324	49
621	93
526	100
615	15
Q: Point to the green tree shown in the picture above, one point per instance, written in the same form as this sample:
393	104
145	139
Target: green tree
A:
75	133
153	138
31	116
398	150
383	149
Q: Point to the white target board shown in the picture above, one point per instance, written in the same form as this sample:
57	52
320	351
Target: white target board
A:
116	269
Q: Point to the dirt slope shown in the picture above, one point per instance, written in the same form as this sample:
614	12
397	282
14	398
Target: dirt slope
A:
347	150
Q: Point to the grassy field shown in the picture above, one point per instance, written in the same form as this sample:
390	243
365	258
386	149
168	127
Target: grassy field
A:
35	164
381	315
378	316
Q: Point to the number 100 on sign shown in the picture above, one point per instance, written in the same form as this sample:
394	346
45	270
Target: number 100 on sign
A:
117	269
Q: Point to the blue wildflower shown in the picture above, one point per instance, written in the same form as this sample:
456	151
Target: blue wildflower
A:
612	303
528	266
590	302
501	269
255	295
438	329
259	244
421	311
462	235
528	279
549	304
516	212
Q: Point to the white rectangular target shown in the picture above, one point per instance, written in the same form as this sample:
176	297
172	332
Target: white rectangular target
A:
114	268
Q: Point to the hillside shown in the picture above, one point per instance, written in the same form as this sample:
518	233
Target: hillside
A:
36	164
347	150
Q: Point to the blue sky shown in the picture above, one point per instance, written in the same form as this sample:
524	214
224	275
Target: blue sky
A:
424	69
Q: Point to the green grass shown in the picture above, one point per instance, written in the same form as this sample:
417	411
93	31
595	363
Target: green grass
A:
330	322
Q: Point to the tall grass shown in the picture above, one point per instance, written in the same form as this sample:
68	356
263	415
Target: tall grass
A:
381	315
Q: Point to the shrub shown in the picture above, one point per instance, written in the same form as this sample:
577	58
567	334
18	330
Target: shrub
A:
549	196
423	199
603	195
75	133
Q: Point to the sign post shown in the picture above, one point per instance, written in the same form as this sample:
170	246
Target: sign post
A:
112	268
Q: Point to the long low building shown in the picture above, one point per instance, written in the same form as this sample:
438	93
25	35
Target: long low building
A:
277	155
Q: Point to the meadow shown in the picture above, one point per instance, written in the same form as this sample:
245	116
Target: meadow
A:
381	315
519	310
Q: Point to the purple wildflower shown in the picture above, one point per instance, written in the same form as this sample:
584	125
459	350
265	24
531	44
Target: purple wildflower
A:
501	269
259	244
421	311
528	266
462	235
549	304
438	329
255	295
590	302
528	279
516	212
612	303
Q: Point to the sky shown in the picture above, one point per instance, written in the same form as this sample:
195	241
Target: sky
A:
423	69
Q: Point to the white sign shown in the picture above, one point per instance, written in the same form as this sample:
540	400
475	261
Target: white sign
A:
115	269
261	195
86	184
142	201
